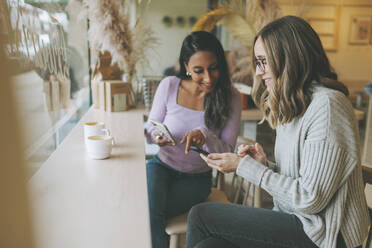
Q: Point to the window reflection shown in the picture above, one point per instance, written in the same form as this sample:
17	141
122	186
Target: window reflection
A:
49	46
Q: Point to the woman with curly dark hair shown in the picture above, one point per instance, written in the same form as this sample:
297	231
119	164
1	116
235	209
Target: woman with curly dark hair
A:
200	108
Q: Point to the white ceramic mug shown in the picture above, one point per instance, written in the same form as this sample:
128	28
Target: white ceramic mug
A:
94	129
99	146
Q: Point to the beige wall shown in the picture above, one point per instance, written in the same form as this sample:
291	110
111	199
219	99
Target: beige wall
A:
166	54
353	63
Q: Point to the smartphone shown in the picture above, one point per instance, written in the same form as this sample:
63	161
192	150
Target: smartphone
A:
197	149
163	129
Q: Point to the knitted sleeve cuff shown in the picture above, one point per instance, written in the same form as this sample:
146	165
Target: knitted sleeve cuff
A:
251	170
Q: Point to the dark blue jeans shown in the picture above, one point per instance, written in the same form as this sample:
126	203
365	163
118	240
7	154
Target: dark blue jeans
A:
219	225
172	193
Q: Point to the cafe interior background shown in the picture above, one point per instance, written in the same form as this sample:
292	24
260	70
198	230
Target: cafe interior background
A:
59	51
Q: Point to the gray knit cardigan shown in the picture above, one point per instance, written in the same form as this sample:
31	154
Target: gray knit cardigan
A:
317	174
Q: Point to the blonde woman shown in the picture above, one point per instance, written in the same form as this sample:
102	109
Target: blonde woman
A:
316	181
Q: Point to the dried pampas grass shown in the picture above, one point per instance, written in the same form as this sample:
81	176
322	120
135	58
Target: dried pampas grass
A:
207	21
261	12
110	31
240	28
144	39
232	20
241	71
303	8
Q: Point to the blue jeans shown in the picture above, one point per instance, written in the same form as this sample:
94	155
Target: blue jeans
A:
219	225
172	193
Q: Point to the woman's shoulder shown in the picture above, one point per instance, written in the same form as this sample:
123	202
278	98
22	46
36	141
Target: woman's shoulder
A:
171	80
331	114
330	106
169	83
326	96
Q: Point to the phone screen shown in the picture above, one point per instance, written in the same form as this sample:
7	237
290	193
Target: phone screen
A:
163	128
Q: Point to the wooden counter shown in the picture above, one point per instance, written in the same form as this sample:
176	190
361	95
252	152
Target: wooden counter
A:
78	202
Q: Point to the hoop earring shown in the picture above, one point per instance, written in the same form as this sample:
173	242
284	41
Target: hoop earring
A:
188	74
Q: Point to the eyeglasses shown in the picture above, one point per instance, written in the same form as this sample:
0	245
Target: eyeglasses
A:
261	63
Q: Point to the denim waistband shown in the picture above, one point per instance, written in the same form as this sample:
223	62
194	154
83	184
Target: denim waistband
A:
203	174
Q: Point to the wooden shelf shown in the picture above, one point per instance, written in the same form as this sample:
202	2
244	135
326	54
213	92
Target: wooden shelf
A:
326	34
251	115
312	18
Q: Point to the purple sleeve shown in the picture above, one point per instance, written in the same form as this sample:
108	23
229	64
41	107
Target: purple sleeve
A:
158	108
227	140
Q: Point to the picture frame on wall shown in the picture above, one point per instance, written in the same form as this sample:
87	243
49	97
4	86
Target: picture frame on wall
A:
360	29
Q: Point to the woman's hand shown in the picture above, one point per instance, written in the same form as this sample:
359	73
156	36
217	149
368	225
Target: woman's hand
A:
158	138
255	151
224	162
193	138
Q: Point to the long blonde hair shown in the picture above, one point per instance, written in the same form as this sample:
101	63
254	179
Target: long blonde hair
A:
296	58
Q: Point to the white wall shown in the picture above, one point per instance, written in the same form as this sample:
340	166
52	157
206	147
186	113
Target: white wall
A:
167	53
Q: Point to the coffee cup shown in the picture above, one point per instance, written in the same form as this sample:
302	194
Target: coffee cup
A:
99	146
94	129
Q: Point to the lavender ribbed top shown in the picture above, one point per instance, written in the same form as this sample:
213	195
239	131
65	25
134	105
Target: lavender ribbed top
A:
181	120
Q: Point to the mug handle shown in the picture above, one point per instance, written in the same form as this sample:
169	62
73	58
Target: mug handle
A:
107	133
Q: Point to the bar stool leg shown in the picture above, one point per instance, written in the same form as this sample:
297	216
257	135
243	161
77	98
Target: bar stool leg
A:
257	197
173	242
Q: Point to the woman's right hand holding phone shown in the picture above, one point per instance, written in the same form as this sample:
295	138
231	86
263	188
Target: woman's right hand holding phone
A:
255	151
160	140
